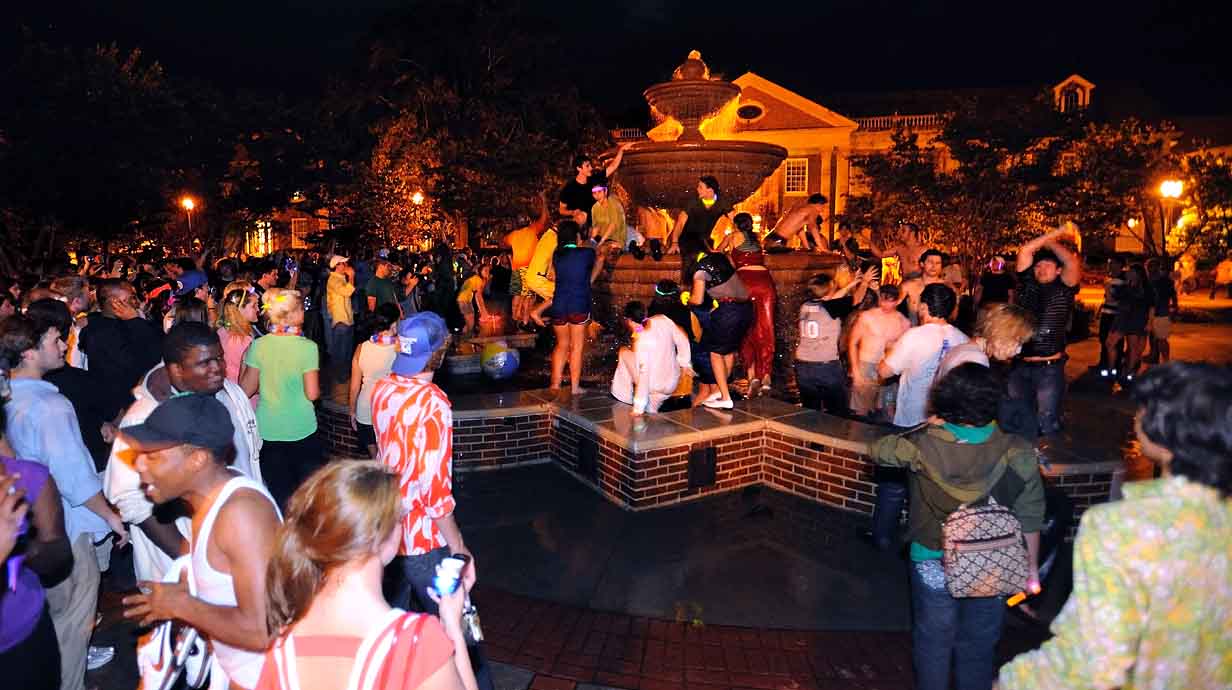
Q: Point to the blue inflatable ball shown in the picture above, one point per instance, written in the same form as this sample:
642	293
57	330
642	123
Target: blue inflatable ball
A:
499	360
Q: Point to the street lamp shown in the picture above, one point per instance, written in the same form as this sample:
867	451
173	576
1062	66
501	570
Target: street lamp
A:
1169	192
417	198
188	204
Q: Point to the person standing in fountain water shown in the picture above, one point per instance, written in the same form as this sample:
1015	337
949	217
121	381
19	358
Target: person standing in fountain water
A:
576	198
757	349
805	218
715	278
576	267
695	224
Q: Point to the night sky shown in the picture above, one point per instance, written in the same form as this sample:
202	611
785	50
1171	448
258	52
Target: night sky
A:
1177	52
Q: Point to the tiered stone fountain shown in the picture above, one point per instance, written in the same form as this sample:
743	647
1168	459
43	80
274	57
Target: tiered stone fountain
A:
663	173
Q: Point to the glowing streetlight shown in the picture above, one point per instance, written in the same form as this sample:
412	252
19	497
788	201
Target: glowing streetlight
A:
188	204
417	198
1169	192
1171	189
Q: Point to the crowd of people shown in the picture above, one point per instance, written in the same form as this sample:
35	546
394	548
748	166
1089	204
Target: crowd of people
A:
170	402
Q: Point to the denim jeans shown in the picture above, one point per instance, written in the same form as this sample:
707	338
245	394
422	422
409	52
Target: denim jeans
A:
414	575
947	633
340	345
1043	385
891	496
823	386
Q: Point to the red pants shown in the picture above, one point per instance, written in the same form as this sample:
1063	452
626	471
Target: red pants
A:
757	349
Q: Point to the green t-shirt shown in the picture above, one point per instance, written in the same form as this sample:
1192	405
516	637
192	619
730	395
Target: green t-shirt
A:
284	413
383	290
611	213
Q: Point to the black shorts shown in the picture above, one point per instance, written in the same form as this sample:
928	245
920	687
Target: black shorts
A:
365	435
727	327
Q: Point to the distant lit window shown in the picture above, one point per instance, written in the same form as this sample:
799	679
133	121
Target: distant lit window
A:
259	240
795	176
300	227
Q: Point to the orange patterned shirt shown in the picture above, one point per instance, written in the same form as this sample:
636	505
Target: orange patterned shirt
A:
414	428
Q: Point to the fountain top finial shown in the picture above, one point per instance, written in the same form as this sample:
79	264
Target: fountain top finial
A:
692	68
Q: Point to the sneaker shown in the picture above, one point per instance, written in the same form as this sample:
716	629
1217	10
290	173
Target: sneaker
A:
98	657
712	397
719	404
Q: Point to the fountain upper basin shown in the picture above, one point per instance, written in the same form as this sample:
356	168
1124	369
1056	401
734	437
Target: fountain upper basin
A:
665	174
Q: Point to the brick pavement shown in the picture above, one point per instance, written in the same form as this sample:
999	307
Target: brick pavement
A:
573	648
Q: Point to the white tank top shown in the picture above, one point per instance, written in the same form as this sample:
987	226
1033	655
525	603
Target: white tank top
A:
375	361
213	587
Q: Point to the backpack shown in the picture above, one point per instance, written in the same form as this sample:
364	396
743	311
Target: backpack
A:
983	551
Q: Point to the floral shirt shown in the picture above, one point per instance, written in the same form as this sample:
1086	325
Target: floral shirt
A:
1152	596
414	428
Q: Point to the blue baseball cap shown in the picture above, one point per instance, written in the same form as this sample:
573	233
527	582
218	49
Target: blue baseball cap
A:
419	337
189	281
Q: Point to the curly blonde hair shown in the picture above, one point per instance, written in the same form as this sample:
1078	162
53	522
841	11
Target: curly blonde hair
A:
283	307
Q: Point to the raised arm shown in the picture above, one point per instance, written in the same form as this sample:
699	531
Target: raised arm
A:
1026	253
620	155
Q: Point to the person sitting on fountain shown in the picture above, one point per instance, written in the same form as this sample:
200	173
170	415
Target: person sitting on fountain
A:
649	368
803	220
694	225
575	197
608	219
757	349
715	278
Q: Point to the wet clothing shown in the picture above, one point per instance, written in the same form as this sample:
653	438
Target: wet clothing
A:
1051	304
573	266
727	327
757	348
695	235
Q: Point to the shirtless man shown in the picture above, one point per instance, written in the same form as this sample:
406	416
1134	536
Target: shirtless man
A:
180	453
931	264
874	331
805	217
909	247
522	242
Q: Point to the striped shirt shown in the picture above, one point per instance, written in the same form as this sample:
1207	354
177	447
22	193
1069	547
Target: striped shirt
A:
414	428
1051	303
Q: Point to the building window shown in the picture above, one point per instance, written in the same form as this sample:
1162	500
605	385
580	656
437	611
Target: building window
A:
795	176
1071	100
259	240
300	227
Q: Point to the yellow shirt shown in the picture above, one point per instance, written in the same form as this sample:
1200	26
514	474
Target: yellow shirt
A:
469	286
541	261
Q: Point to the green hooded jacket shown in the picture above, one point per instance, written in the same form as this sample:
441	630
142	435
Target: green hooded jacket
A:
946	473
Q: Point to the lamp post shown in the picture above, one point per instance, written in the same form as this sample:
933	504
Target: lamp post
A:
188	204
1169	192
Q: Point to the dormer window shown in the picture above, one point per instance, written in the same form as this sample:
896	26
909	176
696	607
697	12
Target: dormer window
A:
1073	94
1070	100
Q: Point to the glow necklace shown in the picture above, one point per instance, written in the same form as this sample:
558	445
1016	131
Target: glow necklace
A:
286	330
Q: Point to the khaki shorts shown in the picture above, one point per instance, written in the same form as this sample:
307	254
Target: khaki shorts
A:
1161	327
539	285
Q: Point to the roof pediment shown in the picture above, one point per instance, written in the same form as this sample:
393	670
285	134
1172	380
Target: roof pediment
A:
803	112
